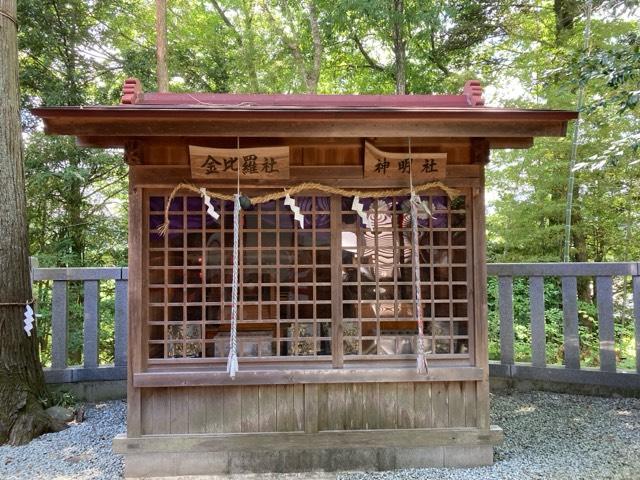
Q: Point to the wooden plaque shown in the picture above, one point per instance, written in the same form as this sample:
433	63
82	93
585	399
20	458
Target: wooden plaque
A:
261	163
393	165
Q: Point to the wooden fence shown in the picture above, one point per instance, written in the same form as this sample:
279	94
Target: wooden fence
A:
571	371
537	370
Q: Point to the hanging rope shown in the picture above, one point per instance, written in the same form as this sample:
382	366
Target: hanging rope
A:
574	145
303	187
9	17
415	201
232	362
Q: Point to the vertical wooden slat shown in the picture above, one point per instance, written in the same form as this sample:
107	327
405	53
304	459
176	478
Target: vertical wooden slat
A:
90	326
250	408
120	324
636	314
215	409
478	263
232	415
440	407
161	414
146	402
323	413
422	405
310	408
538	338
353	406
570	323
59	313
197	422
267	399
406	406
371	405
336	284
137	347
336	406
179	417
284	408
388	402
604	298
298	408
470	408
456	405
505	295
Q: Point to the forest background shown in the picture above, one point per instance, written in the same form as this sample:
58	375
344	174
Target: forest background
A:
528	53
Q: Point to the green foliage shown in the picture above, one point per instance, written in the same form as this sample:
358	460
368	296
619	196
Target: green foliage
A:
60	398
78	52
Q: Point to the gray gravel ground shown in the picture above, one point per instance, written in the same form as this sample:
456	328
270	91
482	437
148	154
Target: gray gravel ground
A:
82	451
548	436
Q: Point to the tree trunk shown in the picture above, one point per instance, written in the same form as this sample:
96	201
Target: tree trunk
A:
314	76
399	47
22	386
161	46
566	12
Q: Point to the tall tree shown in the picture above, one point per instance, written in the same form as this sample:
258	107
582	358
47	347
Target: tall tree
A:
161	45
289	22
22	386
409	46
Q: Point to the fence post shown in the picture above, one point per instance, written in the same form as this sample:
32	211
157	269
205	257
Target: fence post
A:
570	323
120	327
59	312
91	316
636	314
604	298
538	335
505	301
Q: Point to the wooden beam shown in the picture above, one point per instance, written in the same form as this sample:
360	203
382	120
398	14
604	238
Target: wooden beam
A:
191	378
399	438
510	142
88	126
169	175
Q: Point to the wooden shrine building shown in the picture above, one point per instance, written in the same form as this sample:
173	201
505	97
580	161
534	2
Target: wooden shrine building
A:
327	324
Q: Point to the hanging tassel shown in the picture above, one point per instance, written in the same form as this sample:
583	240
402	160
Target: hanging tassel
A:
232	362
211	211
28	319
358	207
291	203
421	360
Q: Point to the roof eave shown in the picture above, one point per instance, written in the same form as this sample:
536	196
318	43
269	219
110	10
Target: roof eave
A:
199	122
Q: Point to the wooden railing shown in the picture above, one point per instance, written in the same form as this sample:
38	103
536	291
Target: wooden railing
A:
605	274
602	276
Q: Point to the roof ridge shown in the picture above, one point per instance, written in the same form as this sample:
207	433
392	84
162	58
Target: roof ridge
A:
471	96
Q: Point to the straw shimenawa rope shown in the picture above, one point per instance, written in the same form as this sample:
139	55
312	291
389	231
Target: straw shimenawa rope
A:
276	195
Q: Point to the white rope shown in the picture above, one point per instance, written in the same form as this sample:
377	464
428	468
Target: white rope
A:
232	361
421	360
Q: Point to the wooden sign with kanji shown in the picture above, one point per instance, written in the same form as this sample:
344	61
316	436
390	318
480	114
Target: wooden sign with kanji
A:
253	163
423	166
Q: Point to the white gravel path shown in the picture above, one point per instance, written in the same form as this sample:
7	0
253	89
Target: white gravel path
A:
548	436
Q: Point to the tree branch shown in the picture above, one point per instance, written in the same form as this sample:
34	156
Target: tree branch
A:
372	63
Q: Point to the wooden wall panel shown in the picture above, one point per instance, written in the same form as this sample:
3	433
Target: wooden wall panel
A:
214	402
306	152
267	401
296	408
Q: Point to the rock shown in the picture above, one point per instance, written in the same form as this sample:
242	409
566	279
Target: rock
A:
83	457
61	414
79	414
